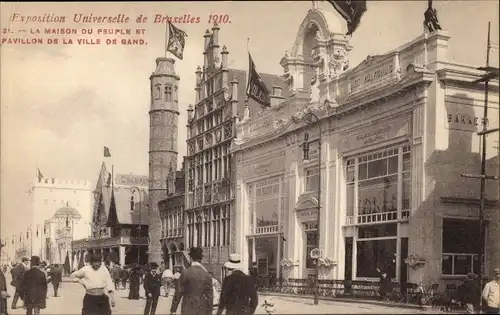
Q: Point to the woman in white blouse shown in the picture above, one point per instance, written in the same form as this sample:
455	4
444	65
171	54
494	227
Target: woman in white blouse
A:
97	281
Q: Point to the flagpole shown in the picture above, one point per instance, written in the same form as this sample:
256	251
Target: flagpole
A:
167	38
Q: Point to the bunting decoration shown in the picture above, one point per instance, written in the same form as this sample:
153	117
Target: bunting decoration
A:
107	153
256	88
351	11
176	41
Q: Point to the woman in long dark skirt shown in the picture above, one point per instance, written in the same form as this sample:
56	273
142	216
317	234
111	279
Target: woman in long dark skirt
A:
135	283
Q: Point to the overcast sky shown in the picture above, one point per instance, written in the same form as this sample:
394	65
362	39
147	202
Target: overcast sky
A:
60	104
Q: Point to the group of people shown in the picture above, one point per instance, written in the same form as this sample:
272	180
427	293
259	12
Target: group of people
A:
30	279
194	287
469	294
134	275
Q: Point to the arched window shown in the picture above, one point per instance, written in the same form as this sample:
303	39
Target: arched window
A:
168	93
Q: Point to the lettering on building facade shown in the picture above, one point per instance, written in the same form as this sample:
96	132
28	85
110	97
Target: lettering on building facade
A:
383	132
372	76
273	165
132	180
260	125
462	121
307	214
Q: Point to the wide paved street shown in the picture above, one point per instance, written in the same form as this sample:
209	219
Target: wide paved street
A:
70	302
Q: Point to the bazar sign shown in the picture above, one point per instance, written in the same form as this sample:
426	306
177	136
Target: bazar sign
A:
131	180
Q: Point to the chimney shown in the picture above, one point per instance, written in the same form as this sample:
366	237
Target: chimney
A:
234	97
205	51
277	96
190	112
198	75
224	54
225	71
197	87
215	36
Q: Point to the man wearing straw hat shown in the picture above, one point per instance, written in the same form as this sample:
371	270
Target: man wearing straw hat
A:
238	295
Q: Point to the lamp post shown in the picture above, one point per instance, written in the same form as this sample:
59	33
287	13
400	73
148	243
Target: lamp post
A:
132	205
69	218
14	243
310	119
47	231
29	235
39	234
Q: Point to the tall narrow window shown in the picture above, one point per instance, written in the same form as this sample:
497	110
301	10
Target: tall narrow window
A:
168	94
311	243
312	179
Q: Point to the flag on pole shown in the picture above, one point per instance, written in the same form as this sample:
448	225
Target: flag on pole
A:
176	41
351	11
106	152
39	174
256	88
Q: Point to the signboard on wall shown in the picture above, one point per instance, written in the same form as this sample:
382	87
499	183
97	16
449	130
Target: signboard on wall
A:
131	180
376	133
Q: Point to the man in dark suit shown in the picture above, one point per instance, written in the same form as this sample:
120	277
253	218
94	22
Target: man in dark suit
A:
3	294
152	286
56	277
195	288
17	280
239	294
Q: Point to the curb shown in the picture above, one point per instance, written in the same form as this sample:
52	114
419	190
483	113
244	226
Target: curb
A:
347	300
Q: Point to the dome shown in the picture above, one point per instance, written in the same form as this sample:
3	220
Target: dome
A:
67	211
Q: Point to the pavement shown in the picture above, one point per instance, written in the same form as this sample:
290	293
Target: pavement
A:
71	294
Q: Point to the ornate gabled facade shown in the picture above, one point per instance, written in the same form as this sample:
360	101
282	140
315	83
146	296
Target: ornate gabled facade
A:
209	167
394	134
119	229
172	217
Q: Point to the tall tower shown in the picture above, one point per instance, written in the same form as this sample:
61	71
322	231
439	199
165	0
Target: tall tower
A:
164	116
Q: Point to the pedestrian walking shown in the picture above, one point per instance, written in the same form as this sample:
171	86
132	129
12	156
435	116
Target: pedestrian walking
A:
135	283
125	274
385	285
167	279
116	274
34	287
97	281
3	294
491	293
56	277
239	294
468	293
152	288
17	273
195	288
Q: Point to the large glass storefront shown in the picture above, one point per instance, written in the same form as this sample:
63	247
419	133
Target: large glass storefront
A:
264	206
378	195
265	210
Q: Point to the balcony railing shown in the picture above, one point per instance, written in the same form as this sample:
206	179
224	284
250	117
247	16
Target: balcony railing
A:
264	229
390	216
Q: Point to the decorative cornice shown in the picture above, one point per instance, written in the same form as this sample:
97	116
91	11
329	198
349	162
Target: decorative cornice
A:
470	201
